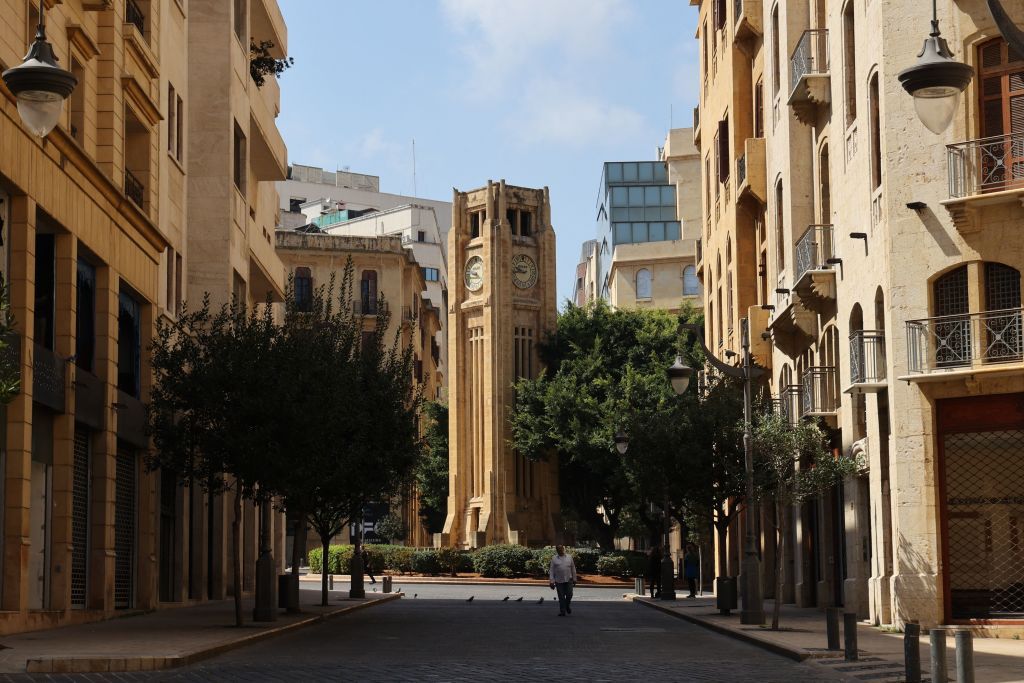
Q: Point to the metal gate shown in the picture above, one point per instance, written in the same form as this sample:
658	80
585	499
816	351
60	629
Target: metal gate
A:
984	481
80	519
124	529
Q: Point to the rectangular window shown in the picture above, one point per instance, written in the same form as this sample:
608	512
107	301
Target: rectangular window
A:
421	236
474	223
239	163
759	110
172	119
622	233
46	289
169	264
179	270
129	345
614	172
431	274
525	223
85	316
629	172
776	74
722	139
876	135
241	21
850	63
179	135
76	103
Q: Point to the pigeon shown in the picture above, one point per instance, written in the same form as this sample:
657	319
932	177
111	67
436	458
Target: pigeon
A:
375	589
541	601
415	595
471	598
505	599
519	599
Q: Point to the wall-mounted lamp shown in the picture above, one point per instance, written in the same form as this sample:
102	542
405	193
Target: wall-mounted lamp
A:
833	261
917	206
767	307
730	354
859	235
781	290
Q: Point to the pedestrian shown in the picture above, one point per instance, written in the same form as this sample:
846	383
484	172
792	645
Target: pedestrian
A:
654	570
366	565
691	568
563	577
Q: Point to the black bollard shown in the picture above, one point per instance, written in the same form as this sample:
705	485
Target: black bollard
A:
850	635
937	638
964	657
912	652
832	627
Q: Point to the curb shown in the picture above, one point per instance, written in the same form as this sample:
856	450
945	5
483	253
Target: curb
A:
71	664
796	654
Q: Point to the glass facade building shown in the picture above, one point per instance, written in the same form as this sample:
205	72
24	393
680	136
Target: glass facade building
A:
636	204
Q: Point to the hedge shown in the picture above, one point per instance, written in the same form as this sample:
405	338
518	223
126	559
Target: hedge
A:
502	560
612	565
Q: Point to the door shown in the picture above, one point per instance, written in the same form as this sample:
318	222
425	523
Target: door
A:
39	537
168	535
124	529
1000	153
80	519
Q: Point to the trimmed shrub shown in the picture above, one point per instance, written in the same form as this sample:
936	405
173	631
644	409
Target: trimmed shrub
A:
612	565
425	562
316	559
448	560
464	564
636	562
585	559
397	558
502	560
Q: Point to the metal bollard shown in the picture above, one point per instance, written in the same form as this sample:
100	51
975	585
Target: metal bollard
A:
330	582
638	585
937	638
832	627
912	652
850	635
964	657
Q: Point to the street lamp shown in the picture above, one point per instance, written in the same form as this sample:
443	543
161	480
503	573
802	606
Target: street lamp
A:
668	579
752	610
936	80
39	84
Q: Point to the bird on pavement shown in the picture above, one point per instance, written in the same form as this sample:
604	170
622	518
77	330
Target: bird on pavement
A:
374	590
519	599
541	601
415	595
471	598
505	599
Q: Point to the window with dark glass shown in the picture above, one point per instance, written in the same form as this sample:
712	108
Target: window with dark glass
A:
525	223
421	236
85	316
368	291
238	161
303	289
474	224
129	345
45	290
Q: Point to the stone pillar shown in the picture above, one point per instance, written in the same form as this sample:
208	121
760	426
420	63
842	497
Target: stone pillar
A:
17	485
877	456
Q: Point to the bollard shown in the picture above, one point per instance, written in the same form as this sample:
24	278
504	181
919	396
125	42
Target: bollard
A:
850	635
938	658
330	582
638	585
832	627
912	652
964	657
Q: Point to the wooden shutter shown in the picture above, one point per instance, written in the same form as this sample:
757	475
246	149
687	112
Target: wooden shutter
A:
722	140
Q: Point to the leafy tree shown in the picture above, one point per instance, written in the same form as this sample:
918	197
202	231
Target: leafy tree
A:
391	527
432	471
263	64
793	464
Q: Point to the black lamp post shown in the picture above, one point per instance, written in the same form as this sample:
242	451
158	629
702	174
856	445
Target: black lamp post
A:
752	609
39	84
936	80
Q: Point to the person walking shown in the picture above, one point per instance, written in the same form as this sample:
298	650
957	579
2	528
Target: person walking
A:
654	571
366	565
691	568
562	575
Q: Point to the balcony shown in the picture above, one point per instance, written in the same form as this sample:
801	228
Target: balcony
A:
867	362
698	248
815	276
269	153
790	402
818	395
364	306
982	173
133	15
957	345
794	326
809	76
749	22
134	189
752	172
131	420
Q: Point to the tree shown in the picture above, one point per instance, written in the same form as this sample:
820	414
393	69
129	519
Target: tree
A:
391	527
263	64
210	403
792	465
432	471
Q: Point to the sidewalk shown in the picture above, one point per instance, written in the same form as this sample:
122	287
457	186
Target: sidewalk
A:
166	638
880	655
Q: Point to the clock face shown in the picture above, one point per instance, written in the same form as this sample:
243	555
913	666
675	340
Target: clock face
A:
474	274
524	271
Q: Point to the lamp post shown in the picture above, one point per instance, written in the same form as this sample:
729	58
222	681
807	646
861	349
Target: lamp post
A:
668	579
936	80
752	609
39	84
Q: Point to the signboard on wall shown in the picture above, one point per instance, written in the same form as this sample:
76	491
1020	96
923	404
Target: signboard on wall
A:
372	513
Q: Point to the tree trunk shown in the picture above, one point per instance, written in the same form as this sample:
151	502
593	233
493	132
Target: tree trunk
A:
325	544
780	560
236	553
356	589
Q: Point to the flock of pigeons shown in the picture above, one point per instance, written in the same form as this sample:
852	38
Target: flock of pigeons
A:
470	598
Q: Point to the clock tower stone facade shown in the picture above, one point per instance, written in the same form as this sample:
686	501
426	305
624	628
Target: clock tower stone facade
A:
501	260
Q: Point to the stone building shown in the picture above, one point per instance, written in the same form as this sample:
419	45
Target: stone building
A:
889	263
98	240
383	267
501	252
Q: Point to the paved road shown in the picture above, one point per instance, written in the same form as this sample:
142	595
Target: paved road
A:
434	637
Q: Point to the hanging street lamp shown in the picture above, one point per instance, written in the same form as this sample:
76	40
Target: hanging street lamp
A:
39	84
936	80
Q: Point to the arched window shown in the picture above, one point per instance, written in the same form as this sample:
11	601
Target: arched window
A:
849	63
303	289
1001	95
1002	287
643	284
780	248
1003	331
368	292
824	189
953	331
876	132
691	285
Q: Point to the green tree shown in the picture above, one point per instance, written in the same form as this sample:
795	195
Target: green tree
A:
793	464
263	64
432	471
391	527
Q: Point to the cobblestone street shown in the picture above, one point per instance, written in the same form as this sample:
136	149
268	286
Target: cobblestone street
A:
446	639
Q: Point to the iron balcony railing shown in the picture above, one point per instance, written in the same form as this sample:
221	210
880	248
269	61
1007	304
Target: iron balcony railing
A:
700	251
986	165
814	250
364	306
790	402
134	189
965	341
819	393
741	170
867	357
133	15
810	56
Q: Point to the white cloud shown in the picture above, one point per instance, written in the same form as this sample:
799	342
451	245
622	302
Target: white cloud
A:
554	113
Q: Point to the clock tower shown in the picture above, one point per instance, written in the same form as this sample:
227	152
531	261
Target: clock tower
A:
501	261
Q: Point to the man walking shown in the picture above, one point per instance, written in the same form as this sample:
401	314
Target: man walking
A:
562	575
654	571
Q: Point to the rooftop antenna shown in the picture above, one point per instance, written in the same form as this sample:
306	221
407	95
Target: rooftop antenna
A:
414	194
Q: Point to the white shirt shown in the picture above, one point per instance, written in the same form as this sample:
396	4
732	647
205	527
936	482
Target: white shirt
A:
563	569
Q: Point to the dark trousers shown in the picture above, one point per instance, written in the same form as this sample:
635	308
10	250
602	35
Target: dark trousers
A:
691	581
564	591
655	583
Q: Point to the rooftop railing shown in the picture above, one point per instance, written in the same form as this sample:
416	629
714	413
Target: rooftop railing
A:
986	165
970	340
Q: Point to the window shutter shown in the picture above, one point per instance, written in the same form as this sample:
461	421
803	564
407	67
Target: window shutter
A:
723	150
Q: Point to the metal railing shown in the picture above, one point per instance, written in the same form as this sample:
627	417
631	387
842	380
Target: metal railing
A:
819	392
814	250
700	250
810	56
741	170
965	341
364	306
867	356
986	165
134	189
133	15
790	398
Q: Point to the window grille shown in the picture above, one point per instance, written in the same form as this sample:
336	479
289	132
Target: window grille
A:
80	519
124	529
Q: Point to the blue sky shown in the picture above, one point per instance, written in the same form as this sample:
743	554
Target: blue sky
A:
539	92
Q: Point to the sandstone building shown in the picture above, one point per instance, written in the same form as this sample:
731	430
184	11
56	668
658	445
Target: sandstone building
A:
501	254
